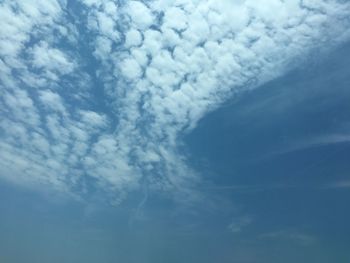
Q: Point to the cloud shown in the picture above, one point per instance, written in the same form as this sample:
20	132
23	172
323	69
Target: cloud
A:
239	224
140	15
291	236
91	118
314	142
47	58
130	68
133	38
339	185
105	95
52	100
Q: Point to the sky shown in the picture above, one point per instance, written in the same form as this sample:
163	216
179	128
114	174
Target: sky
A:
174	131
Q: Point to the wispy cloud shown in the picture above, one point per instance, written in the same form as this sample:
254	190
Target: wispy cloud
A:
315	141
238	224
339	185
298	237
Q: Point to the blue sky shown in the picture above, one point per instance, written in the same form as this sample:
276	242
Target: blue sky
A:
216	128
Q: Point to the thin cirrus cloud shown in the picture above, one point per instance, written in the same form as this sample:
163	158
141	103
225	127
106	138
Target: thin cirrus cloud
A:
290	235
162	65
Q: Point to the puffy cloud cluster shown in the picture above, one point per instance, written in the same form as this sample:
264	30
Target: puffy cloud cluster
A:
51	134
162	66
181	59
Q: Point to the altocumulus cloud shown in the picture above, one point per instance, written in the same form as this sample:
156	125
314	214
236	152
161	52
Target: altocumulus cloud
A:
161	66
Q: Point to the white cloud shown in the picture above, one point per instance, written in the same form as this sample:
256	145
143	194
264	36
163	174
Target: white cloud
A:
92	3
152	43
93	119
290	235
106	26
16	26
239	224
340	184
133	38
48	58
139	56
175	18
130	69
217	48
313	142
141	16
52	100
110	8
103	48
163	66
21	106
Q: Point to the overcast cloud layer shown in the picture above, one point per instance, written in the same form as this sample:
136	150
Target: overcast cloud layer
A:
99	93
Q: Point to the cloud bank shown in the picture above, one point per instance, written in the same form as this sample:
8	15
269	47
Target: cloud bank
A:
98	94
